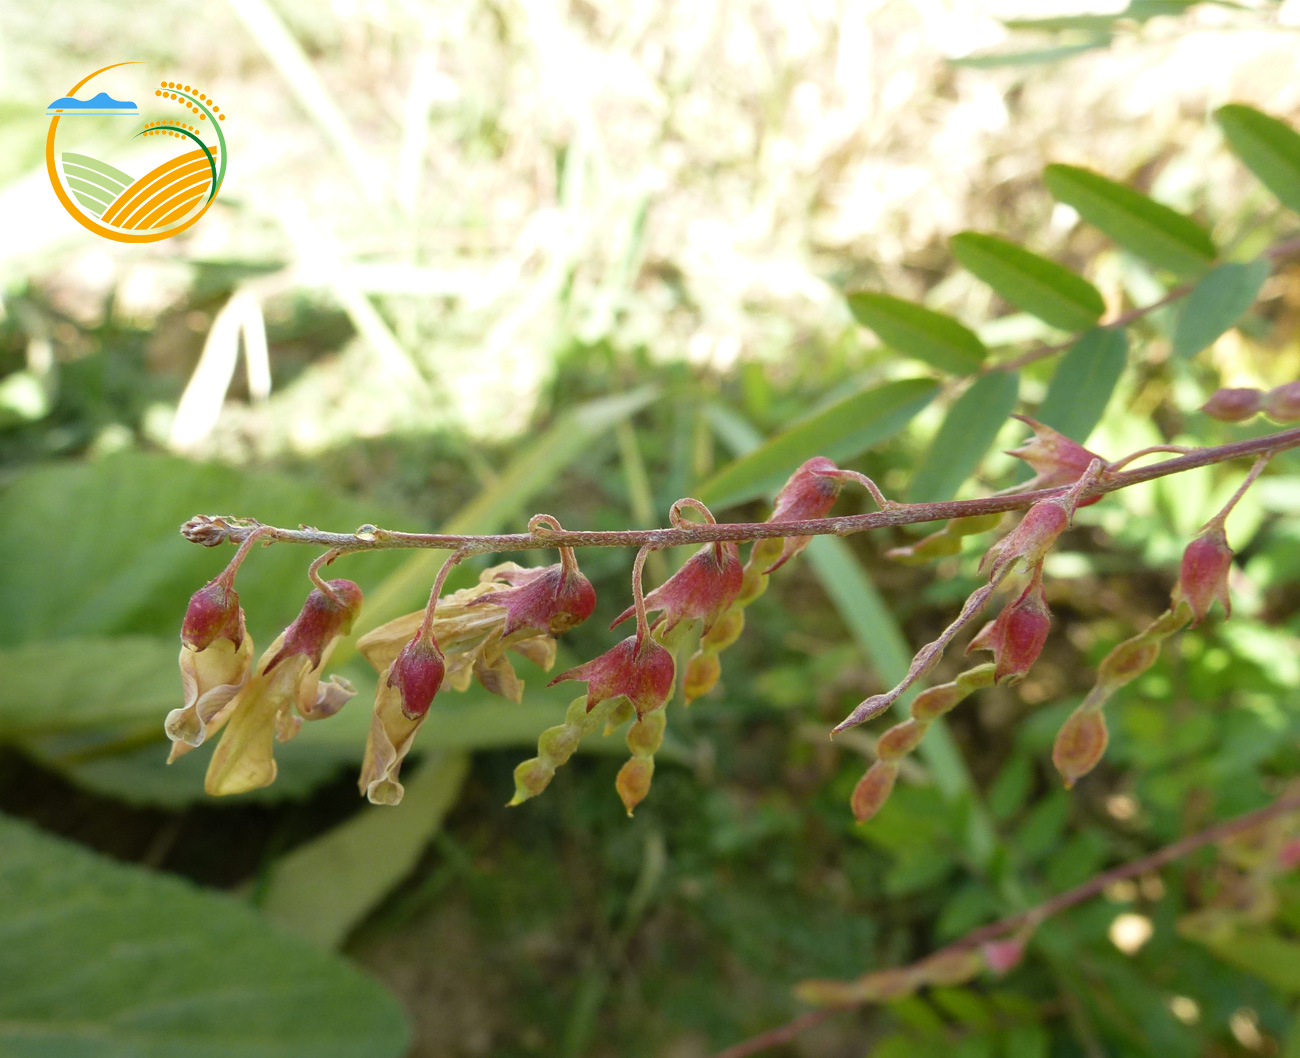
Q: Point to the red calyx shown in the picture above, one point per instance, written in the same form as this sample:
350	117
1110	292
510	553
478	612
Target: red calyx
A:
319	622
550	599
645	677
213	613
417	674
703	589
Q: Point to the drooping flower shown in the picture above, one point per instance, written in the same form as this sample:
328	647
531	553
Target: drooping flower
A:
810	492
1203	574
1055	459
215	661
1016	636
551	599
285	689
405	692
643	672
702	590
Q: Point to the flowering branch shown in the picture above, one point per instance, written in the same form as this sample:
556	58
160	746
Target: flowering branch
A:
213	530
1014	925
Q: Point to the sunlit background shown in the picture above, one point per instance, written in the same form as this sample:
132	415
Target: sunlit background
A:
454	234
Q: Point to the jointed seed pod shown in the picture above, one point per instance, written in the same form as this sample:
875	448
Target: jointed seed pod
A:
556	745
644	737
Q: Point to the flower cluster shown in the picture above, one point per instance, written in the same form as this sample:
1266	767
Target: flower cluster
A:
473	633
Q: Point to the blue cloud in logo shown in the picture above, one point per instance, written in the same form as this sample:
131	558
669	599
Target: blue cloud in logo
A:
102	103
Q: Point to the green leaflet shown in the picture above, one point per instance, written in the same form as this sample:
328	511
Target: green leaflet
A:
1084	381
1032	56
841	431
1269	148
969	428
1217	303
928	336
102	958
1044	288
1153	231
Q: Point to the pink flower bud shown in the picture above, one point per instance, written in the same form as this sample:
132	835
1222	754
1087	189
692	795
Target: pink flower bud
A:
703	589
1002	956
810	493
551	599
1232	405
213	613
873	790
1017	635
1080	744
1203	575
320	622
1029	541
1055	458
644	677
1288	857
417	674
1283	403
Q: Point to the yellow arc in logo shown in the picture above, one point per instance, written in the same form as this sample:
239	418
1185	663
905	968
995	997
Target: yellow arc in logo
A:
89	222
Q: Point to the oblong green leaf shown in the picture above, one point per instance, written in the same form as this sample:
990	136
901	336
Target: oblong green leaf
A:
1269	148
102	958
1216	304
993	60
1149	229
968	430
931	337
1084	381
1044	288
840	431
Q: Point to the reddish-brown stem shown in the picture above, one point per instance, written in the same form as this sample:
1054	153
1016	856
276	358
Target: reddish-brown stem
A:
425	631
313	574
227	576
1226	510
568	560
208	529
1094	886
638	597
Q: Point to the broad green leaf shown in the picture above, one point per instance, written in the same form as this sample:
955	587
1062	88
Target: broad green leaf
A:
1084	381
912	330
118	565
1061	23
1052	293
1152	231
967	431
1216	304
324	888
839	432
101	958
1269	148
86	684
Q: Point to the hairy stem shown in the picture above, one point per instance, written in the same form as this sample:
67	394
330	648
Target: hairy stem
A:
212	530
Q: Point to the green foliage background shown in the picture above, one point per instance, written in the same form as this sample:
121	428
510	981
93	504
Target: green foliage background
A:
142	919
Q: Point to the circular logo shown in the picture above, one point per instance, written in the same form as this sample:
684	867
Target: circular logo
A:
167	199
